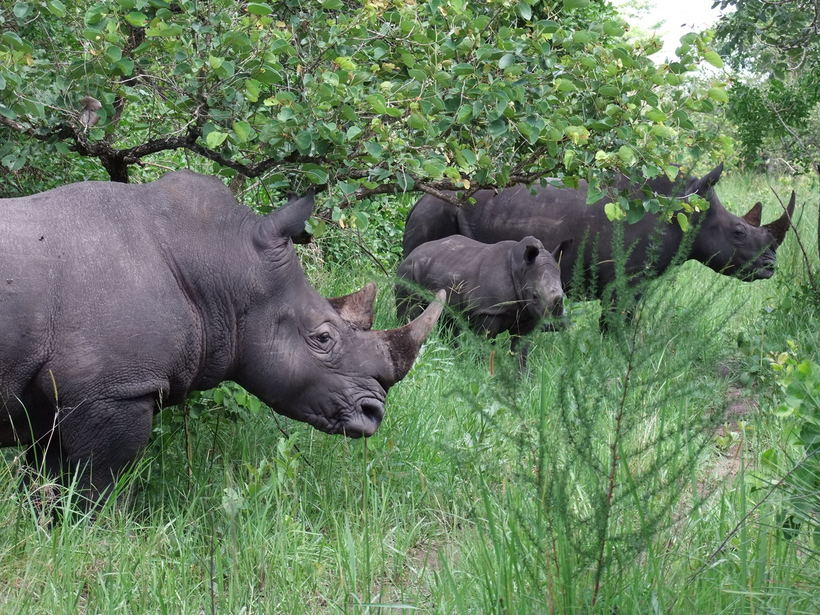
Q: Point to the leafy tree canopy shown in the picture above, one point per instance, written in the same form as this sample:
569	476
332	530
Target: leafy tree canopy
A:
362	97
775	46
770	37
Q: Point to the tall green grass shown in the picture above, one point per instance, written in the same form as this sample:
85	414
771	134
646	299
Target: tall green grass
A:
607	478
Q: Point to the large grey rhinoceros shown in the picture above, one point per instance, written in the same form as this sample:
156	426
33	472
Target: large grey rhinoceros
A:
729	244
510	286
116	300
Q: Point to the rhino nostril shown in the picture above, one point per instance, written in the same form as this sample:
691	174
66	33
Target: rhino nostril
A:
373	410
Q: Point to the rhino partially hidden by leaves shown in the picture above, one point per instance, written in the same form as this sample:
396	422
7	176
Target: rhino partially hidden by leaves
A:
729	244
118	299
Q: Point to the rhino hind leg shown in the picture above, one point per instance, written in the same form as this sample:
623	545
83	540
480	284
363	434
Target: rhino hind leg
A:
94	442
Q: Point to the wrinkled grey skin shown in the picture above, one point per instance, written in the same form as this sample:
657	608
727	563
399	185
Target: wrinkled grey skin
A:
729	244
118	299
506	286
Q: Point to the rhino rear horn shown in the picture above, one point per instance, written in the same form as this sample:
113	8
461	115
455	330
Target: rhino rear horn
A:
356	308
753	215
403	344
779	227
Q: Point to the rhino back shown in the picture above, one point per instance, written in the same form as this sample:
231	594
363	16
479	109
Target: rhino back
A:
476	275
94	289
561	215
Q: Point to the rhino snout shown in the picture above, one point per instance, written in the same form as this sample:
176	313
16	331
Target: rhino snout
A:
366	420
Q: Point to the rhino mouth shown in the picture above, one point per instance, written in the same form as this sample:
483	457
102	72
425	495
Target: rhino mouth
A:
366	420
763	269
363	421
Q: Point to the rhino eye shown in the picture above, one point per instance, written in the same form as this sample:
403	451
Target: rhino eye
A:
739	232
322	341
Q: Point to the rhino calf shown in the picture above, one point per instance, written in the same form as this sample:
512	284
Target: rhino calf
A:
117	299
510	286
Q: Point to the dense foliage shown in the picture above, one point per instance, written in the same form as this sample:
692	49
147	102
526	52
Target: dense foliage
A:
362	96
775	47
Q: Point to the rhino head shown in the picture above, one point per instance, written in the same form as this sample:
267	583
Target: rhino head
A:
313	359
537	280
736	245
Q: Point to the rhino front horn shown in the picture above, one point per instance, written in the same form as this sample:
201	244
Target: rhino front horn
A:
779	227
404	343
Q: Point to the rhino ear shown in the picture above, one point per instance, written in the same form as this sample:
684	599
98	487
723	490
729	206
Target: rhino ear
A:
530	254
779	227
356	308
529	248
289	221
753	215
708	181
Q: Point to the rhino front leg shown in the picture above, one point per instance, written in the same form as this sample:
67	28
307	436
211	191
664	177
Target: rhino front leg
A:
95	441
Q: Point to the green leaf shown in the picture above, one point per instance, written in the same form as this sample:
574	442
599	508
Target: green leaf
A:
215	139
405	181
627	155
374	149
662	131
497	128
332	5
21	10
577	134
113	53
315	173
125	66
656	115
683	221
252	89
13	40
243	130
575	4
594	194
361	220
418	75
345	63
525	10
259	8
506	60
56	8
564	85
136	19
353	132
613	28
378	103
304	141
433	167
614	211
416	121
464	114
718	94
583	37
713	58
2	83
